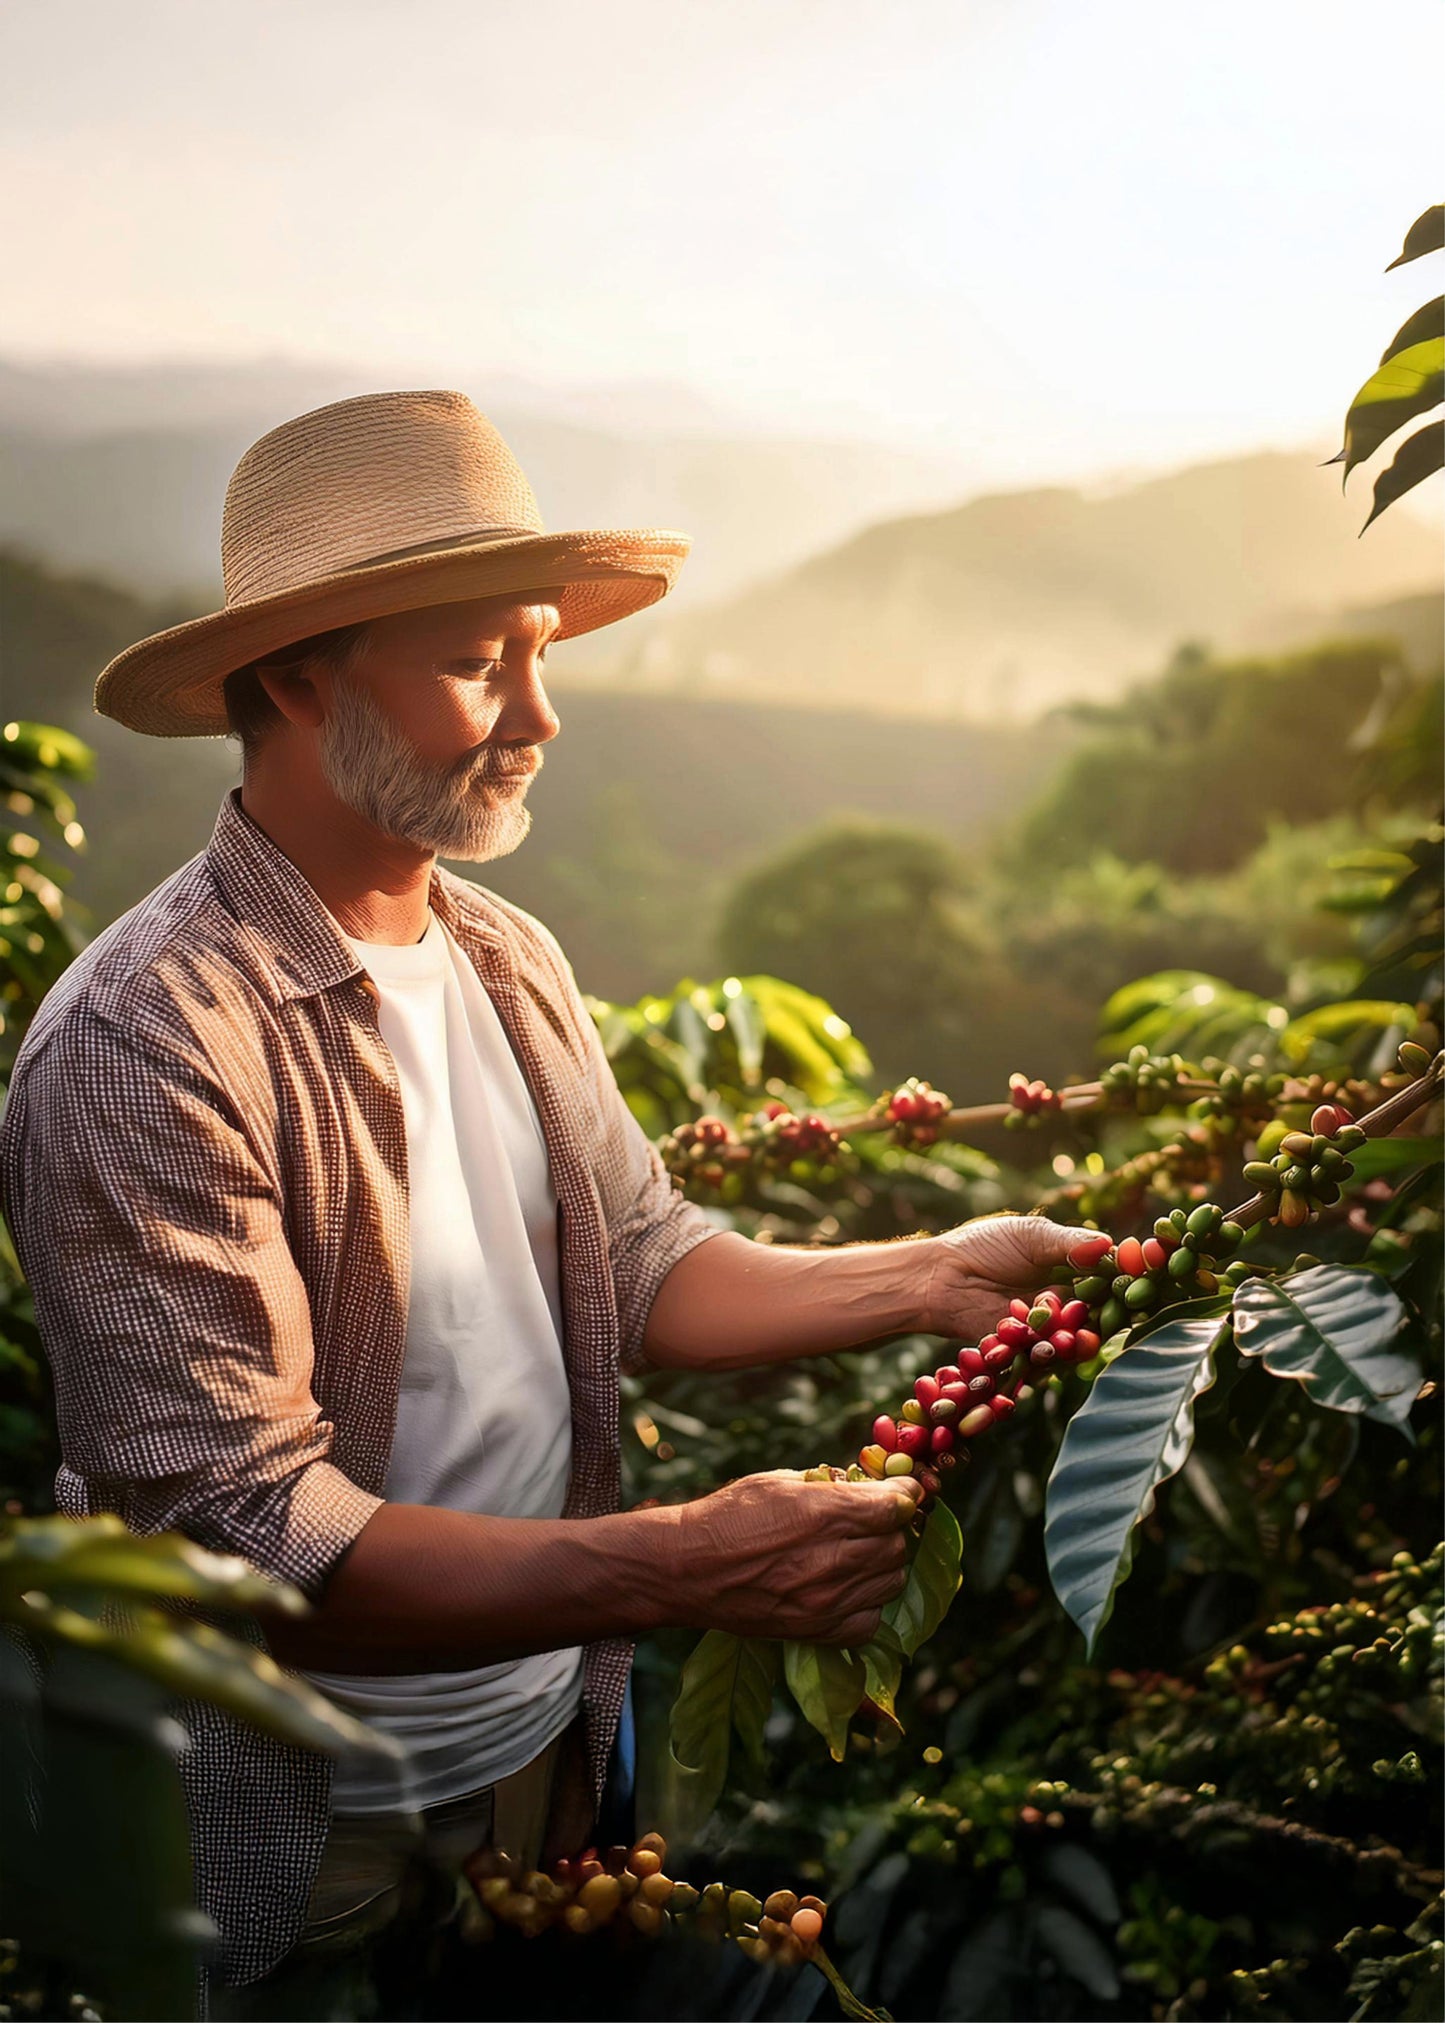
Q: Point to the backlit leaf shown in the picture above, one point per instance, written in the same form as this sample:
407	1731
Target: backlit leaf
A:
1418	458
828	1684
1410	384
726	1688
1426	235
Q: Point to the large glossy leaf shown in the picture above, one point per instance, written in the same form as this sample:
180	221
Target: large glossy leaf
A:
195	1662
1132	1432
726	1688
1418	458
1426	235
828	1684
1410	384
1395	1157
1337	1332
933	1580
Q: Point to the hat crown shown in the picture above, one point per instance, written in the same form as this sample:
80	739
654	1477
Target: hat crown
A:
368	480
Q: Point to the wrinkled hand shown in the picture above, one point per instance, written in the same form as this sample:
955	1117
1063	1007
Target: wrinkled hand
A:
976	1269
775	1556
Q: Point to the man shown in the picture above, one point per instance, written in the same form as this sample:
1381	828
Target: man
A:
340	1231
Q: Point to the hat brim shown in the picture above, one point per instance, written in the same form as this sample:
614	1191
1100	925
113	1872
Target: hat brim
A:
169	685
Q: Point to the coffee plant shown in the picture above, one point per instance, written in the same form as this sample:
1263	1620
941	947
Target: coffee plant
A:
1409	381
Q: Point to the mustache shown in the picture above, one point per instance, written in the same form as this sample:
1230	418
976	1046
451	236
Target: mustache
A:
489	766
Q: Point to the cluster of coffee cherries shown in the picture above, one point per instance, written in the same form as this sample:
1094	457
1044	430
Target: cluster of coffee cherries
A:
707	1151
1029	1100
916	1111
630	1885
964	1399
1237	1092
1310	1167
1149	1081
1189	1255
779	1135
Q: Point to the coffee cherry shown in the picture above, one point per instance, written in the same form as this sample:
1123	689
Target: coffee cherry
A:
911	1412
1002	1407
781	1905
1019	1309
975	1422
1041	1355
807	1927
1073	1314
971	1362
874	1461
912	1440
1092	1289
1086	1344
1113	1316
941	1439
944	1412
999	1357
1040	1317
1182	1264
1154	1253
1412	1059
928	1390
1014	1332
1142	1295
1062	1343
898	1464
885	1433
1131	1257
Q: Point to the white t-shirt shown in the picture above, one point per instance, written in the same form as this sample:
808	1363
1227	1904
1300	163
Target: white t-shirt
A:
484	1419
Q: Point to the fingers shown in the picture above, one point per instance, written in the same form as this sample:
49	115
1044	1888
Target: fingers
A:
881	1506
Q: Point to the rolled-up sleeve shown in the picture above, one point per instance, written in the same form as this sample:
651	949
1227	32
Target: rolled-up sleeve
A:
175	1320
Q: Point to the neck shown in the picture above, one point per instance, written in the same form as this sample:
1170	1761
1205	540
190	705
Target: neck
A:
372	885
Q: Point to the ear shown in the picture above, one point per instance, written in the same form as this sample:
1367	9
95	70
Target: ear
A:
299	689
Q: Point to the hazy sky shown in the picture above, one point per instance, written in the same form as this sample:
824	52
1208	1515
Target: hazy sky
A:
1055	237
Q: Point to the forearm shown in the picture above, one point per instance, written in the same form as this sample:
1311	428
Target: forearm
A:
731	1304
431	1590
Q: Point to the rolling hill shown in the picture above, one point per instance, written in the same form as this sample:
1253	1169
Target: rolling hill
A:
1015	601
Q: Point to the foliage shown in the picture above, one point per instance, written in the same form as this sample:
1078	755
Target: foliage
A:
1409	381
1189	771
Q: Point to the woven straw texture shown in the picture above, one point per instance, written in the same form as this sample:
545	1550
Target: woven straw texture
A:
387	503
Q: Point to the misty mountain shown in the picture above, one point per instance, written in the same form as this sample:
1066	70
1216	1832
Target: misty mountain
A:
123	472
1015	601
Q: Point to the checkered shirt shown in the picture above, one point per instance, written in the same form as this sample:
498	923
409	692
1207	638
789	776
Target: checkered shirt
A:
203	1166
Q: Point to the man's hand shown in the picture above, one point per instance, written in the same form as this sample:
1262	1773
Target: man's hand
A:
775	1556
975	1270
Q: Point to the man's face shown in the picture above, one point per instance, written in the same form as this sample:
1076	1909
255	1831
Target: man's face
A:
434	733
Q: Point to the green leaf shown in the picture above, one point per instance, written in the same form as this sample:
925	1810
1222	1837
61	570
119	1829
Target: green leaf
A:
195	1662
1395	1156
1428	321
745	1021
1426	235
1410	384
58	1553
883	1663
1418	458
1132	1432
828	1684
726	1687
933	1581
1336	1332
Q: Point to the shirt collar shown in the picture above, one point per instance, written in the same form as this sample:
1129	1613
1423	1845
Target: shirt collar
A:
307	951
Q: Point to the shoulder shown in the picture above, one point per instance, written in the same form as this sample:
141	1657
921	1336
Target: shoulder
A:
177	978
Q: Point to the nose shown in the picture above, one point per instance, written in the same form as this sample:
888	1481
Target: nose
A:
528	717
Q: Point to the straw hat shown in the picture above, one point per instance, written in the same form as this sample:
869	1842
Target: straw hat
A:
367	507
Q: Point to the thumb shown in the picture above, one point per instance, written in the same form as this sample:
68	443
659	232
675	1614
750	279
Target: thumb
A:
1051	1242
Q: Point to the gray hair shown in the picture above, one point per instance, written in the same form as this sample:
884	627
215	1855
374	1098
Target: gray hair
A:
250	713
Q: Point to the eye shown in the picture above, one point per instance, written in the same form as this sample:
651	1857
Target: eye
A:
475	670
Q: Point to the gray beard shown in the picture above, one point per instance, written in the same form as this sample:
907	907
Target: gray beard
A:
470	814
